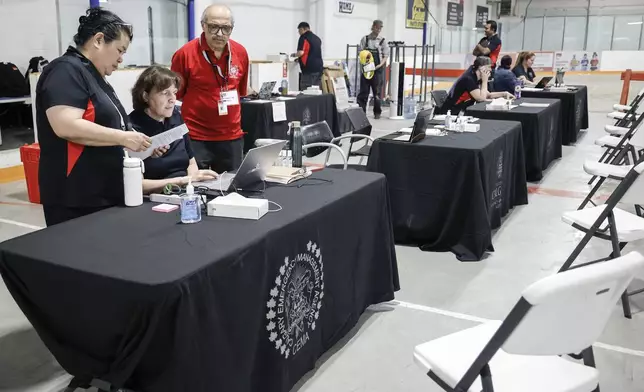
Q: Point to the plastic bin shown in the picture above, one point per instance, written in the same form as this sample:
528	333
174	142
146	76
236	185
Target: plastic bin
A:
30	156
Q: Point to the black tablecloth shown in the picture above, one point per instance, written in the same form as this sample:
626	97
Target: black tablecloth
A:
574	110
450	192
131	294
541	131
257	118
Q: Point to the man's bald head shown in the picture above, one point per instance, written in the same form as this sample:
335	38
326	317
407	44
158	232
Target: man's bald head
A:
217	22
218	11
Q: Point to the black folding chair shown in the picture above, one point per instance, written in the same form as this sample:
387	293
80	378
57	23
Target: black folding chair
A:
439	97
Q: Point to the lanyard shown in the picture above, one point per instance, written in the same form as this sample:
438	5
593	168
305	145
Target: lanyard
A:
218	68
123	125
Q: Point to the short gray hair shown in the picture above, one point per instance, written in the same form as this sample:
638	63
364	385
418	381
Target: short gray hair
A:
232	16
481	61
377	22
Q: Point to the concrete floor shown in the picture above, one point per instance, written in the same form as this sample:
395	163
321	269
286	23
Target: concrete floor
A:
439	294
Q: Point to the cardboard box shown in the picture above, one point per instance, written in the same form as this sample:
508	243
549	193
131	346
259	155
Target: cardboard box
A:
328	76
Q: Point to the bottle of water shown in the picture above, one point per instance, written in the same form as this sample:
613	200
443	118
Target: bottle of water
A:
190	208
133	170
284	87
517	89
409	108
296	147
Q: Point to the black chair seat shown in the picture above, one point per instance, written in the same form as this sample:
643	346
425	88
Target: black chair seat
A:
364	151
349	167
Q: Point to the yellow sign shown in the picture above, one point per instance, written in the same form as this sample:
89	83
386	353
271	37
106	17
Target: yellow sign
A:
415	14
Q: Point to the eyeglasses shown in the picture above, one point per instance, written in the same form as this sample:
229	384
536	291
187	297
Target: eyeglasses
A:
215	29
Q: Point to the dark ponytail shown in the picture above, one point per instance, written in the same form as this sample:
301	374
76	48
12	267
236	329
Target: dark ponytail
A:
99	20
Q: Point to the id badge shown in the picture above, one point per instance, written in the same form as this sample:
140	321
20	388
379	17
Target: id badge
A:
223	109
230	97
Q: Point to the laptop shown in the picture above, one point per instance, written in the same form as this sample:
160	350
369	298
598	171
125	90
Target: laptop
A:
418	131
257	162
266	91
543	82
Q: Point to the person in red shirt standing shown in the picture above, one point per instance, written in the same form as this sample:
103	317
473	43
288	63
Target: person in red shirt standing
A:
214	69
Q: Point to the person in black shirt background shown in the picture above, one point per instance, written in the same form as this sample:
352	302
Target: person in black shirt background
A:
82	124
490	45
523	69
471	87
309	53
504	79
154	97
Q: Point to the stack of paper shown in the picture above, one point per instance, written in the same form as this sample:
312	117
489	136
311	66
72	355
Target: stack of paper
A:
535	105
498	104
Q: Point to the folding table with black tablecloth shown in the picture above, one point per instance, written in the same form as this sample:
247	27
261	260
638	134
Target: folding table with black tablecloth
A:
541	129
257	117
449	192
135	298
574	109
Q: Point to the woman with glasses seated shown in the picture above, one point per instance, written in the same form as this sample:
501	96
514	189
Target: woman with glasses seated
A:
154	97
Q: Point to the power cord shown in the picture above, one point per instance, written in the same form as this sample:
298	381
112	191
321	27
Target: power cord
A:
279	207
305	182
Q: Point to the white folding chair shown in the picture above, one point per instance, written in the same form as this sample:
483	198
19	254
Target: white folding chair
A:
624	115
560	314
636	101
617	148
610	223
635	145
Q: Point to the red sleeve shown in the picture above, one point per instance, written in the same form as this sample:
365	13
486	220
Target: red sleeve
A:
243	83
179	66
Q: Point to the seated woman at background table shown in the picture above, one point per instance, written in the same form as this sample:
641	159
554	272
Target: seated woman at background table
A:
523	69
471	87
154	97
504	79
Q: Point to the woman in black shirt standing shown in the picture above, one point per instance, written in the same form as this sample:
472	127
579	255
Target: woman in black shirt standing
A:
82	125
523	69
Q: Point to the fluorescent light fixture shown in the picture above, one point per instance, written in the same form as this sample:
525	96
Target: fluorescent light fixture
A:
635	23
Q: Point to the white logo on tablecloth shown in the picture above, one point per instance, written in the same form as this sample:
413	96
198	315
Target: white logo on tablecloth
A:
497	193
295	301
306	116
552	134
578	114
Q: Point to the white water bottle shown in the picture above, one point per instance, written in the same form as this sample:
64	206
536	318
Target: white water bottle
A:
133	169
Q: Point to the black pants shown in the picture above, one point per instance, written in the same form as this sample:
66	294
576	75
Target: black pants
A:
221	157
59	214
374	85
310	79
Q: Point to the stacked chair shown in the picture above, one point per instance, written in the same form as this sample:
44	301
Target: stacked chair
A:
625	116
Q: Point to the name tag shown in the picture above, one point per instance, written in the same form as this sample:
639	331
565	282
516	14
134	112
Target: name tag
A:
223	109
230	98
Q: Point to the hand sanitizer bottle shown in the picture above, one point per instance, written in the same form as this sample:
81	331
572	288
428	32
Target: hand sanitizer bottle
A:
448	120
190	208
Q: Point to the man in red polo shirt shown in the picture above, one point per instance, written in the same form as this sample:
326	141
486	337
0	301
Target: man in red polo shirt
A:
214	69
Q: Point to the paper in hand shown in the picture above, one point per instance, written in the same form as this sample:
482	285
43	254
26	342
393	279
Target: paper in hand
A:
160	140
